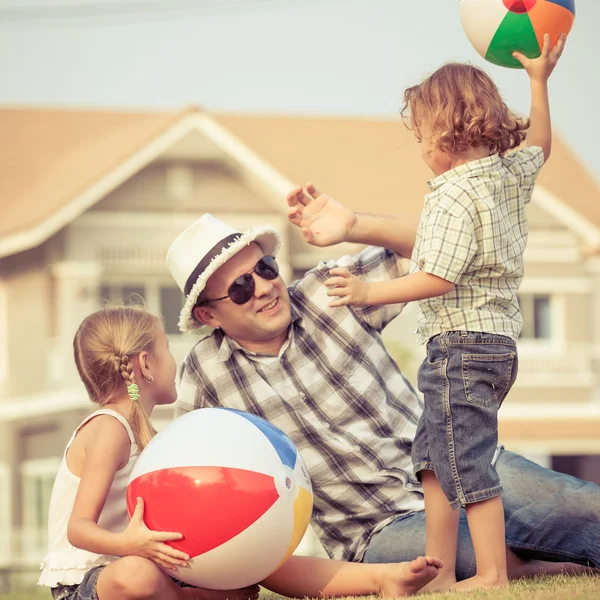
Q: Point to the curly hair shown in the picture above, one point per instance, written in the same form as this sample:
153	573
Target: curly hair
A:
463	109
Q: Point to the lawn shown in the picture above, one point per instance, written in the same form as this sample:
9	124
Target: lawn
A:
547	588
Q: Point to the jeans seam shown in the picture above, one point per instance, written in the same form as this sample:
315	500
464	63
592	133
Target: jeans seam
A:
478	496
424	465
449	429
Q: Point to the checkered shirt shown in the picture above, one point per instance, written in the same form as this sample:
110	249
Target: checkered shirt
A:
473	232
337	393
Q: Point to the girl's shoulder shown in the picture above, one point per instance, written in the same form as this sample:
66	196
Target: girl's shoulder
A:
100	435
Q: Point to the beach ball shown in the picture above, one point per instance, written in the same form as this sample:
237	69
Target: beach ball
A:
497	28
234	485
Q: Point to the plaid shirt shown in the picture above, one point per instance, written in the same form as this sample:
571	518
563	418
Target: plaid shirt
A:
337	394
473	232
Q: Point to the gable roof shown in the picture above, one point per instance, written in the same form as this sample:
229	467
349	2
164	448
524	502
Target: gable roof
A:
373	165
50	157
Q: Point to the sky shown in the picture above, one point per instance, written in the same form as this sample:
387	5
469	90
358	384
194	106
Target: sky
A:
323	57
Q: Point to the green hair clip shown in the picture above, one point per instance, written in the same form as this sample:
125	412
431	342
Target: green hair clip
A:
133	392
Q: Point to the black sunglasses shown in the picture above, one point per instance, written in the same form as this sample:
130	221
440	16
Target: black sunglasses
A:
242	289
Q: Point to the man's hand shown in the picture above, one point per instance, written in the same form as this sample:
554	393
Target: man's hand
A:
323	220
539	69
349	288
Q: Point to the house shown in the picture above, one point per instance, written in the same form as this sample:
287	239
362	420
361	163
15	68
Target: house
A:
90	201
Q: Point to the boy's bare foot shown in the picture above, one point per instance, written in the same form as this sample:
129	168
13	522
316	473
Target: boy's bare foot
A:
407	578
247	593
478	582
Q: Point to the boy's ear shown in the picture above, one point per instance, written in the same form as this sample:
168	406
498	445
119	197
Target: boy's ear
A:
204	315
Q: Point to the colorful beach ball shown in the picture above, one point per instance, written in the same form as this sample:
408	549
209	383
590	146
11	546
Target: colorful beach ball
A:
497	28
236	488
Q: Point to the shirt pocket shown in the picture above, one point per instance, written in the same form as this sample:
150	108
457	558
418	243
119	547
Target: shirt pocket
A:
488	377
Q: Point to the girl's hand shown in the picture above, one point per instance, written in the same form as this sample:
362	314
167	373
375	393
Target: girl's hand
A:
323	220
138	540
540	69
349	288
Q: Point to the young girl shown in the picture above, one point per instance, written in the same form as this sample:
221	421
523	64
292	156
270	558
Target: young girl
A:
95	551
467	265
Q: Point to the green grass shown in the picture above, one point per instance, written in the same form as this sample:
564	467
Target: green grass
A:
560	587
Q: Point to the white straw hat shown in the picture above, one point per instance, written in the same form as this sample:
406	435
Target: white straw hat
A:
198	251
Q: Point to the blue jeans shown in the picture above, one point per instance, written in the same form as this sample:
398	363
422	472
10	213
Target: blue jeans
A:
549	516
464	379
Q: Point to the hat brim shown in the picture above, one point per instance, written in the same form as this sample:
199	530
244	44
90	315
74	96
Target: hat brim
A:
266	237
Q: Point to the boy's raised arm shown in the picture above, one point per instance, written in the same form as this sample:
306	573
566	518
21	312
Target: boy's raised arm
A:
539	70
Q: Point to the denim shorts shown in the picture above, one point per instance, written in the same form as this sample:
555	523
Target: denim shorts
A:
86	590
464	380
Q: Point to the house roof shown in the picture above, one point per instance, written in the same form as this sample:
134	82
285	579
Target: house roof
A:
372	165
51	156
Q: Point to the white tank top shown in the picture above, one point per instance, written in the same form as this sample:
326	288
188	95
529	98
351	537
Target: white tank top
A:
65	564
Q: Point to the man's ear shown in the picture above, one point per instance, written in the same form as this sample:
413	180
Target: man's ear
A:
204	314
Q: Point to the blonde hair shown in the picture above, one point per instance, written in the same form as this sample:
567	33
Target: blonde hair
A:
104	346
464	109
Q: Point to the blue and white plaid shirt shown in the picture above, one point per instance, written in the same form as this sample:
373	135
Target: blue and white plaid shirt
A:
339	396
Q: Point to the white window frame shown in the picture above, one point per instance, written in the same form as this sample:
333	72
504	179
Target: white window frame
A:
151	285
556	289
6	524
3	331
35	537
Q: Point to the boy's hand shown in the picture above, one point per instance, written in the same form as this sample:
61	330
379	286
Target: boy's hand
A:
323	220
540	69
138	540
349	288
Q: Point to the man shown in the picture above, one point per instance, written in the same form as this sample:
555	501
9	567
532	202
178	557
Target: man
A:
324	376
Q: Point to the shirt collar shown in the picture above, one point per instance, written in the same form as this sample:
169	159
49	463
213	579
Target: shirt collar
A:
473	168
227	346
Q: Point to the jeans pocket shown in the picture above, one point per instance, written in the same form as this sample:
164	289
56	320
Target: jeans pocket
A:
487	377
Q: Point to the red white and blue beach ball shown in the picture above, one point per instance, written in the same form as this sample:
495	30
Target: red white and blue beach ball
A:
236	488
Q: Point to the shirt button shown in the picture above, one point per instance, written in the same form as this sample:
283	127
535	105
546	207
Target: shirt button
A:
302	395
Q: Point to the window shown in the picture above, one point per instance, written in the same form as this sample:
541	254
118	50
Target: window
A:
126	294
158	297
535	309
37	478
5	514
171	303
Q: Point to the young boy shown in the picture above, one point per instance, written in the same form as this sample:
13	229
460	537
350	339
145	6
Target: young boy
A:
467	266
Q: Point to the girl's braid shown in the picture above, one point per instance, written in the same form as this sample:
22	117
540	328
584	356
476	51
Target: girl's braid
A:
125	367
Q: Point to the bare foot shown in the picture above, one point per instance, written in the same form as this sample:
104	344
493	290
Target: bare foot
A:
194	593
478	582
442	583
407	578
